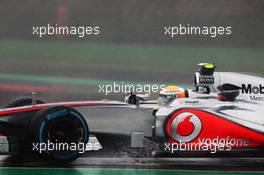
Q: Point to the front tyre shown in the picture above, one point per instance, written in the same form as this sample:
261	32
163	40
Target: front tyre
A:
61	133
21	146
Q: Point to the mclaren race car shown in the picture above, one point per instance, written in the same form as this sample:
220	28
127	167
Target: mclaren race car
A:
223	113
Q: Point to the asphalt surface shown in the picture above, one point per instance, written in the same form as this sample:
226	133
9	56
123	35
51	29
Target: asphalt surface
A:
216	164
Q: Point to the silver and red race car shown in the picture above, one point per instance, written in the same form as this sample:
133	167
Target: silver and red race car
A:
224	113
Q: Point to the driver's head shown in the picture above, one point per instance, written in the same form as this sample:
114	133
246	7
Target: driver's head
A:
171	92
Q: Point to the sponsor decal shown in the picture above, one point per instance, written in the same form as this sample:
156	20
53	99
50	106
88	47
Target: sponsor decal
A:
251	89
206	80
254	92
185	127
211	145
196	130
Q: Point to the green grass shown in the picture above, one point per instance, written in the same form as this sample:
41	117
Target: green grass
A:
131	56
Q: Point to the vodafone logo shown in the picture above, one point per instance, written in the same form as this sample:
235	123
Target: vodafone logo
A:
185	127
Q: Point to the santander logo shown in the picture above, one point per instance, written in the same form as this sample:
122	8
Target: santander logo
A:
185	127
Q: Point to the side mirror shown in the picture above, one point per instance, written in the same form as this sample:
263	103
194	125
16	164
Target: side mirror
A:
132	99
135	99
229	91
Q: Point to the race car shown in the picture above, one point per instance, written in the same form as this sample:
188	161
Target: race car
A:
222	113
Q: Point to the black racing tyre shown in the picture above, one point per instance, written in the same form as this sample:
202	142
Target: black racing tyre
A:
23	146
60	125
22	101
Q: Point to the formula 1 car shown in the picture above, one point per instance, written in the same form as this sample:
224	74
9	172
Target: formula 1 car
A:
223	113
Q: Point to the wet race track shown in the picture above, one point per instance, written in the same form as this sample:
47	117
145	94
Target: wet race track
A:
128	165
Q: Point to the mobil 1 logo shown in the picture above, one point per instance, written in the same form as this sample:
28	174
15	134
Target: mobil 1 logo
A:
255	92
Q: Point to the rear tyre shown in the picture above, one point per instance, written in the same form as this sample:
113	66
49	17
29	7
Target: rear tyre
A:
60	125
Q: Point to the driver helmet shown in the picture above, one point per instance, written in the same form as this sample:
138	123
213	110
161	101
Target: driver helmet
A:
171	92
